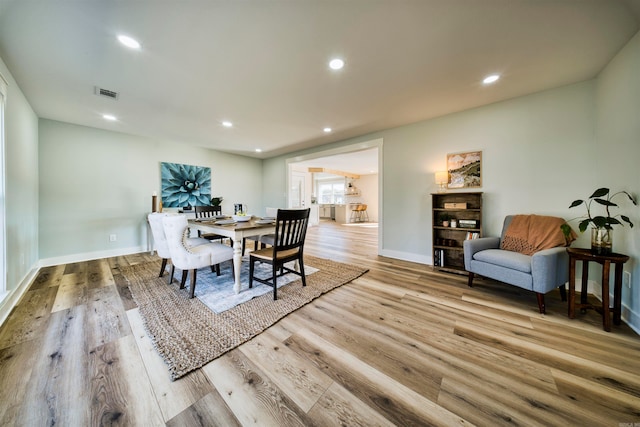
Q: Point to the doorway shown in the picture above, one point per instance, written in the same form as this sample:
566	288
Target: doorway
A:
356	168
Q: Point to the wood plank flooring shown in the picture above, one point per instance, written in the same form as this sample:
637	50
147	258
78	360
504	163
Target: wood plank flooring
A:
402	345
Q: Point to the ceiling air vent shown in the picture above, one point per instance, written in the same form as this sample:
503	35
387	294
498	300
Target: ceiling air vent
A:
106	93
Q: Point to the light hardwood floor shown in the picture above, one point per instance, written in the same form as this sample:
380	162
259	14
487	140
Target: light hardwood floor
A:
402	345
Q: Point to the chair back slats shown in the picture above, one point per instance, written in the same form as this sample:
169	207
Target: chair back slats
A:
291	229
207	211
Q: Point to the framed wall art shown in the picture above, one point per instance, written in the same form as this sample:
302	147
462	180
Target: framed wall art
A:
185	185
465	170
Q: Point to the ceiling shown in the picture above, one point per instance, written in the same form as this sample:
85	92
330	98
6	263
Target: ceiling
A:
362	162
263	64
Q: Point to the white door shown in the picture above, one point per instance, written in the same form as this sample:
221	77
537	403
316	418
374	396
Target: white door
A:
297	190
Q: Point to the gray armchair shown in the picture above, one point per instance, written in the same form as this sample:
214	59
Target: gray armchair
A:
541	272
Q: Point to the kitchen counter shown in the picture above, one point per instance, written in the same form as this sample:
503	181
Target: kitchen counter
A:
342	214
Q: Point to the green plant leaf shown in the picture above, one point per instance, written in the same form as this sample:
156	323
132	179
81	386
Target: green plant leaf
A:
599	192
583	225
627	220
599	221
566	230
611	221
604	202
631	198
576	203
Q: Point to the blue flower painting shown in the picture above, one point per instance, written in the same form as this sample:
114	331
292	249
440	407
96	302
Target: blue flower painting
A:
185	185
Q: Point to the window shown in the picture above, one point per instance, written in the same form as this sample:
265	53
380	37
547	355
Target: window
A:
331	192
3	274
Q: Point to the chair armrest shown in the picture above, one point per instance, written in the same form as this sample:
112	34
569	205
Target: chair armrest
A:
550	269
476	245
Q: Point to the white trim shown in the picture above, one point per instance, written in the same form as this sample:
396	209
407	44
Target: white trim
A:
12	298
352	148
629	316
406	256
3	86
3	193
88	256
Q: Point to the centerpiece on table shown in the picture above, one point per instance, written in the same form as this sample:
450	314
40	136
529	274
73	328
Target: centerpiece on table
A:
601	225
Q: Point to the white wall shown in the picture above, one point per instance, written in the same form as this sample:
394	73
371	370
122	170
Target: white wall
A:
540	152
537	154
21	186
368	186
94	183
618	155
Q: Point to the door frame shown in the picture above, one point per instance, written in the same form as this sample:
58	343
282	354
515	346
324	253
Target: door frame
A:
352	148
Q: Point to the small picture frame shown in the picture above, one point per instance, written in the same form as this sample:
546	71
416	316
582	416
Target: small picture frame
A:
465	169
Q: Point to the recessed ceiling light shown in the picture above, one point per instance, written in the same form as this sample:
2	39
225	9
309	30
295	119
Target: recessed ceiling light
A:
258	150
227	124
491	79
110	117
327	130
336	64
129	42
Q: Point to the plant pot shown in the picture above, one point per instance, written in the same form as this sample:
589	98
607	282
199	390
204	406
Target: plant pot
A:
445	223
601	241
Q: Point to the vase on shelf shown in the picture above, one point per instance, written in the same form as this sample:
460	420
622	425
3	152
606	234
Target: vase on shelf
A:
601	241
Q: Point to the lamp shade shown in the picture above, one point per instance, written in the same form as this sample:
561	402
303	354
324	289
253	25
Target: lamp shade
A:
442	177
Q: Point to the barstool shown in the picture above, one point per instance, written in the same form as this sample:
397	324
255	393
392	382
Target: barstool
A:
359	213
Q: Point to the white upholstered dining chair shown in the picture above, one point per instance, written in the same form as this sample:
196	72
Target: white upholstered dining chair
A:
160	241
191	258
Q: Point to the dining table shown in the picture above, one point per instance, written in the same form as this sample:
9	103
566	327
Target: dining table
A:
236	231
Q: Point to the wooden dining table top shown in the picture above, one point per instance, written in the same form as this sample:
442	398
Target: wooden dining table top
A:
237	225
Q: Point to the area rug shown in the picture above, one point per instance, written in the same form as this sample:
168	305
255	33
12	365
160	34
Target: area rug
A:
216	292
188	335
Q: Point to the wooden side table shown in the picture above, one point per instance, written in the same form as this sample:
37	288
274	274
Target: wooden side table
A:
585	255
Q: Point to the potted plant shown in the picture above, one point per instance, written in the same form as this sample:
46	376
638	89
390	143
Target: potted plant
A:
445	217
215	201
601	225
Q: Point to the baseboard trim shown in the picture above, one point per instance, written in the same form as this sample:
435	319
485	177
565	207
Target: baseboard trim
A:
88	256
629	316
12	298
406	256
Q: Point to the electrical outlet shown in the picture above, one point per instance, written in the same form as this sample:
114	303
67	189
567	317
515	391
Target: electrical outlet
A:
112	237
626	279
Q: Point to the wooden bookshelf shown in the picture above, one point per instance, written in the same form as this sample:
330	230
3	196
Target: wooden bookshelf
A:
447	241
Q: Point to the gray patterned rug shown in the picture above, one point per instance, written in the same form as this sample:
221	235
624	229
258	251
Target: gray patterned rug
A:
216	292
188	334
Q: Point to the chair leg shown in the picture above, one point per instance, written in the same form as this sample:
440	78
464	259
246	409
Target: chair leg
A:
244	243
470	282
541	305
173	270
193	283
301	267
563	293
275	281
251	262
184	279
163	266
217	269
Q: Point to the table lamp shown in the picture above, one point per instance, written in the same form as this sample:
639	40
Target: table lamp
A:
442	178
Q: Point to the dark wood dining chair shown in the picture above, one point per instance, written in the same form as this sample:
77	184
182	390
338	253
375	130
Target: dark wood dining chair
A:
288	245
209	212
